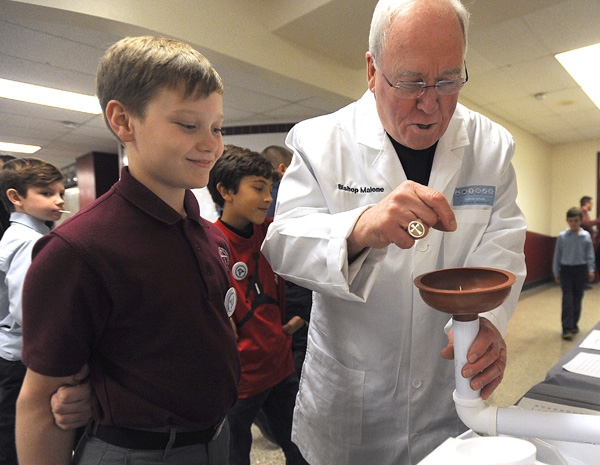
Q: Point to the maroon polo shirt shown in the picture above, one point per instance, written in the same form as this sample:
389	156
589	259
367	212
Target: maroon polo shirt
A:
135	290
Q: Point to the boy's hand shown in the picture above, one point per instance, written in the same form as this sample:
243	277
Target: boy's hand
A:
71	403
591	276
293	325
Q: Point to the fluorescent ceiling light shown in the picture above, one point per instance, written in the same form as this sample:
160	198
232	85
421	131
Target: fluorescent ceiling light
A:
18	148
50	97
583	64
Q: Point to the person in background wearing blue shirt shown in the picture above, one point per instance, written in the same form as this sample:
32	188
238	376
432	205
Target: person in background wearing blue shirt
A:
4	213
573	267
32	192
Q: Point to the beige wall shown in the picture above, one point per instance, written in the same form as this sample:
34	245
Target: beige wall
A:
574	169
551	179
534	175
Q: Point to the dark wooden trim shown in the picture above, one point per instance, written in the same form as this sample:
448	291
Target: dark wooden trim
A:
539	252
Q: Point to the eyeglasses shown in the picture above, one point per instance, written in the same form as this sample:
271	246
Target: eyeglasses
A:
414	89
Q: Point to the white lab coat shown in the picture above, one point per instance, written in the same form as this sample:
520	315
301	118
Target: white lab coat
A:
374	389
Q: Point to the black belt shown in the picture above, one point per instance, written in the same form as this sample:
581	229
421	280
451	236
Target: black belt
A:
149	440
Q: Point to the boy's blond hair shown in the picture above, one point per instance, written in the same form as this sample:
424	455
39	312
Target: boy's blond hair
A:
135	69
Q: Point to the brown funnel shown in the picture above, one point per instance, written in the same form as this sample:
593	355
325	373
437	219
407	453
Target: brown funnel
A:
465	292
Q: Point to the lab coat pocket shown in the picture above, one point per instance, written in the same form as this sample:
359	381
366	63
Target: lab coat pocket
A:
471	226
331	397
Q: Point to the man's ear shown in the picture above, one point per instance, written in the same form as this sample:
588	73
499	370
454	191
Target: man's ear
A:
225	193
14	197
370	71
281	169
119	121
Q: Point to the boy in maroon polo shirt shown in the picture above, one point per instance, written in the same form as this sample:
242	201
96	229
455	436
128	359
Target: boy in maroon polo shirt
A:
241	184
136	285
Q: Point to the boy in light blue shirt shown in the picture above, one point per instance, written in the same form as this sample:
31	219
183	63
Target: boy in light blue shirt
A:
573	266
32	191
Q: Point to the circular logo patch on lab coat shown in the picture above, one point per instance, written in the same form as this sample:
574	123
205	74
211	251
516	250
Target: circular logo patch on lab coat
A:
230	301
239	271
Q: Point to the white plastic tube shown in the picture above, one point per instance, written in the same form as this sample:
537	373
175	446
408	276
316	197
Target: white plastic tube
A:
514	421
465	333
570	427
478	416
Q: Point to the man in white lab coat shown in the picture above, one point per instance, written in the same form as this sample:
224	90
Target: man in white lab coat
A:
374	388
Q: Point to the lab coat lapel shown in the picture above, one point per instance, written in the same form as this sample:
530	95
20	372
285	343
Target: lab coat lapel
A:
380	153
449	155
428	253
377	147
388	164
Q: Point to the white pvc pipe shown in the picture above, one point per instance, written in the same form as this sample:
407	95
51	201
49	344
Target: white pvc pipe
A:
570	427
514	421
476	415
465	333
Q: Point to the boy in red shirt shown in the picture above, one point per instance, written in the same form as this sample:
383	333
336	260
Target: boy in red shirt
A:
240	183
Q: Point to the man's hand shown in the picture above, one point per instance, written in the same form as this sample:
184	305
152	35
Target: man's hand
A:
486	356
387	222
71	403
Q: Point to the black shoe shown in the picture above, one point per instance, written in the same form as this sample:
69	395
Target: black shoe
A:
575	330
567	336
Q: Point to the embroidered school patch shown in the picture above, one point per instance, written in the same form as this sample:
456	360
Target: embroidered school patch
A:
224	254
474	195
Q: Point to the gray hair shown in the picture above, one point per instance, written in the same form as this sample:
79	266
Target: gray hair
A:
388	10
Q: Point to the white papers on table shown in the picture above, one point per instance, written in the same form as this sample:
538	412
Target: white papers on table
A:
584	364
591	341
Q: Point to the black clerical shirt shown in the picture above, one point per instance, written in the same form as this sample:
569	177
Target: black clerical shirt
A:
416	163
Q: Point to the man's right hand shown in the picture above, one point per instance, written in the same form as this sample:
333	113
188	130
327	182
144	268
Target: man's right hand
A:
71	403
386	222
